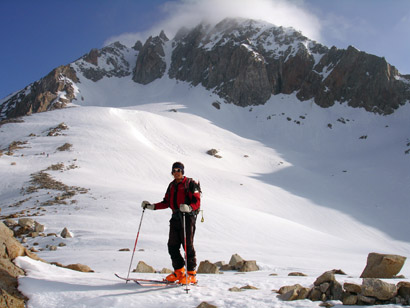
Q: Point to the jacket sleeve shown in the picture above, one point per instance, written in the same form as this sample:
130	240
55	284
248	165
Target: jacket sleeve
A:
164	203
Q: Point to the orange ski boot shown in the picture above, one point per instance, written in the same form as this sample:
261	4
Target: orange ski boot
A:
177	275
191	278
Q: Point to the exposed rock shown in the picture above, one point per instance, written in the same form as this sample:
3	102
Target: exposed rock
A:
80	268
294	292
365	300
11	223
227	267
249	266
403	288
296	274
315	294
249	287
206	305
142	267
10	249
235	259
235	289
325	277
166	271
38	227
206	267
291	295
338	272
379	289
150	62
65	233
43	95
26	223
349	299
382	265
110	61
286	289
352	288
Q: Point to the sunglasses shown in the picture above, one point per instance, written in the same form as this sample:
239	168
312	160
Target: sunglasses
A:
176	170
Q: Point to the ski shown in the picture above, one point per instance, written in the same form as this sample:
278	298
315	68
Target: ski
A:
149	282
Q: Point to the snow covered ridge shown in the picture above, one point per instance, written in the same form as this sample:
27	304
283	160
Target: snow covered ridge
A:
244	62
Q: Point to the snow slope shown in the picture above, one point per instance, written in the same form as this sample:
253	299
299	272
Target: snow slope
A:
290	191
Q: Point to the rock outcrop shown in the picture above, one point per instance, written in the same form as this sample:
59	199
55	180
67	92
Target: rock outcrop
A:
109	61
10	249
382	265
150	62
51	92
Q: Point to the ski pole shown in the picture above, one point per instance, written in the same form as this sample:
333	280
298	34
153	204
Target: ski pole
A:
135	245
186	257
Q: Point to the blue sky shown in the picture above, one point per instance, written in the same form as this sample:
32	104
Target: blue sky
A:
38	36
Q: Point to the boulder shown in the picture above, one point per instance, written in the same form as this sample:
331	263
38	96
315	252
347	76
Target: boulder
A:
206	267
403	288
328	276
66	234
80	268
235	259
352	288
365	300
382	265
349	299
235	289
227	267
294	292
142	267
166	271
379	289
297	274
249	266
38	227
291	295
26	223
286	289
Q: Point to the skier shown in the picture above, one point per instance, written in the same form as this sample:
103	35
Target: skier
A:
183	197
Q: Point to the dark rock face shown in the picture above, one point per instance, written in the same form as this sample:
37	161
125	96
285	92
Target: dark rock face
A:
246	62
42	95
150	62
110	61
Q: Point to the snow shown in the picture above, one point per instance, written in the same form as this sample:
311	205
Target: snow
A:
292	196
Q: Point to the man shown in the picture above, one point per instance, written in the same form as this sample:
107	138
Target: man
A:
183	197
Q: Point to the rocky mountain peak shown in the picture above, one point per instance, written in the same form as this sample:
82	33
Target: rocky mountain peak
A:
245	62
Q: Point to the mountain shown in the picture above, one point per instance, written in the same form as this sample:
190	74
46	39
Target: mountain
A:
245	62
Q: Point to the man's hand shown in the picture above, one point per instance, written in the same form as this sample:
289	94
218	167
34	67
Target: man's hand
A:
147	205
185	208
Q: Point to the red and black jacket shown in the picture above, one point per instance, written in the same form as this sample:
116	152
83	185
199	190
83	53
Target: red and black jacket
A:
178	193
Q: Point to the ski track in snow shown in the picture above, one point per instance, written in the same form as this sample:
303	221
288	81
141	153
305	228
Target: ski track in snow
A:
294	197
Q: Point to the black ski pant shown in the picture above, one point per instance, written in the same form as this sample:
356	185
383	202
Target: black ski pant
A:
176	240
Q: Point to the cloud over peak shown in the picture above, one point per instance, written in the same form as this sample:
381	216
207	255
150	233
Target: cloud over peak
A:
189	13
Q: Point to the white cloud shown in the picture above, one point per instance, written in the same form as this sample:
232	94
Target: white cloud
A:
189	13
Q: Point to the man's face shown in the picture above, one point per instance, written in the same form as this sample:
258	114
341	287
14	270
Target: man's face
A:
177	173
